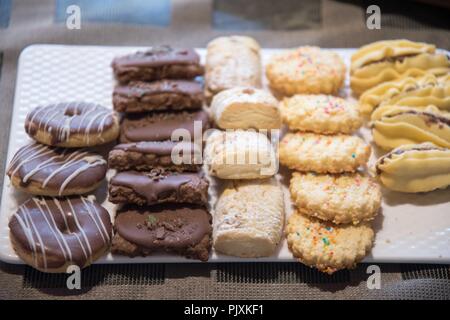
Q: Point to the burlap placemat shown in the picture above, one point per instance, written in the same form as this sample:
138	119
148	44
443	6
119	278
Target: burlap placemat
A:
194	23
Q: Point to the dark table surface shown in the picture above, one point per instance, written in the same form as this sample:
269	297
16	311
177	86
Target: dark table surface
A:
281	23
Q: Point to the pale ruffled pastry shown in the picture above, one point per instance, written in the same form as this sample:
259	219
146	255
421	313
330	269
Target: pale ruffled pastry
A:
338	198
232	62
382	50
305	70
240	155
422	91
409	127
384	110
326	246
320	114
415	168
390	60
323	153
249	218
245	108
415	66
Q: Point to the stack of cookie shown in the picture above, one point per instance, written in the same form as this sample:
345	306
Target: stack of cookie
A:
60	227
404	87
334	201
249	213
158	180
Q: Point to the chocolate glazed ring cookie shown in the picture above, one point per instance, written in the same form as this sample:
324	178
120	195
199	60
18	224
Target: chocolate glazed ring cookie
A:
49	171
72	124
50	234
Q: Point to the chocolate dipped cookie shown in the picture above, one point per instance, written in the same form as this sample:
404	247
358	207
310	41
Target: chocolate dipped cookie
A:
147	155
156	63
158	186
72	124
139	96
181	229
50	234
159	126
50	171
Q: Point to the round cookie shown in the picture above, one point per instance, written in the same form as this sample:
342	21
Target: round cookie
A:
325	246
72	124
305	70
51	234
339	198
320	114
50	171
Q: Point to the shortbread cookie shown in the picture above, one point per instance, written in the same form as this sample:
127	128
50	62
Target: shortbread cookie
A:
51	234
320	114
341	198
158	186
177	229
415	168
245	108
249	218
322	153
389	60
156	63
410	127
147	155
232	62
139	96
240	155
72	124
160	126
326	246
305	70
49	171
409	91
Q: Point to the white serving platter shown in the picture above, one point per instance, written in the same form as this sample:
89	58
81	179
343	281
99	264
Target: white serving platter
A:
411	228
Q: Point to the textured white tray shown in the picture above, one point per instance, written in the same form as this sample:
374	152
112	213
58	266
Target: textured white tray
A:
410	228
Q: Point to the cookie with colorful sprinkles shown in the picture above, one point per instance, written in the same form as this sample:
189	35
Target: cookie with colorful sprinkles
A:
323	153
339	198
320	114
325	246
305	70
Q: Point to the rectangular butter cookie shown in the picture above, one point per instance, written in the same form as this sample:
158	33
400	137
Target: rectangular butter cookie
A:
232	62
240	155
249	218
